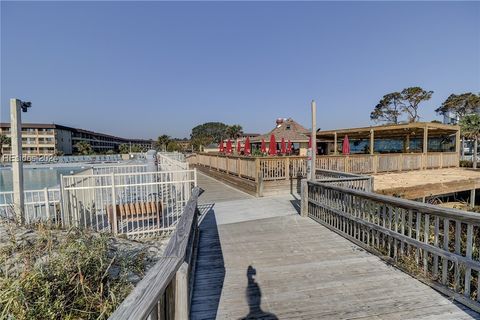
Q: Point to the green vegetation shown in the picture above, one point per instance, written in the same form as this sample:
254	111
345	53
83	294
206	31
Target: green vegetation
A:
393	105
460	105
470	126
127	148
84	148
162	142
213	132
4	141
53	274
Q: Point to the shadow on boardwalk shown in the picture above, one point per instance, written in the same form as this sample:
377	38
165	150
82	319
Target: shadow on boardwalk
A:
210	269
254	298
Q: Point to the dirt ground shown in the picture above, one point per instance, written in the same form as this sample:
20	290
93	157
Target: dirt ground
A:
410	179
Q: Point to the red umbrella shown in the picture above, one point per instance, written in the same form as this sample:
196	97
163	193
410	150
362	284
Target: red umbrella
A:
239	147
263	146
289	147
229	146
272	148
309	142
346	146
222	149
246	147
283	147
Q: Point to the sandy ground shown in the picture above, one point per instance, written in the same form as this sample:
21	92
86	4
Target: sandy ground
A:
415	178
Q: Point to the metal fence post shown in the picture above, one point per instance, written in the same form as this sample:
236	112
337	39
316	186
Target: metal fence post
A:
114	206
47	203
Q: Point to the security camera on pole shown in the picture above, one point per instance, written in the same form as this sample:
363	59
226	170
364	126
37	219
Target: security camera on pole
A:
16	108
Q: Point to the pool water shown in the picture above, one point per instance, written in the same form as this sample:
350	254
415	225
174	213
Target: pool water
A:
36	178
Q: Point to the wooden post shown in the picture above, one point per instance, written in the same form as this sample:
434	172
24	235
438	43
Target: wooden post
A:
406	144
372	141
335	150
304	198
472	198
425	146
260	185
181	293
457	142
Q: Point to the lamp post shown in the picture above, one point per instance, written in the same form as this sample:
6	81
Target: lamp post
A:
313	151
16	108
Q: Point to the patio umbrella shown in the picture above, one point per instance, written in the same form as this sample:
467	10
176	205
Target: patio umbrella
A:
246	147
289	147
346	145
229	146
272	148
239	147
283	146
309	142
221	148
263	146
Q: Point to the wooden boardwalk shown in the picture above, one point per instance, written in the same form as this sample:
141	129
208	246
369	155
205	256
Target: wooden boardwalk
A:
258	259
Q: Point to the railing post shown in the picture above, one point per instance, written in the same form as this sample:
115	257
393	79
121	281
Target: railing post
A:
195	176
260	185
304	198
47	203
287	168
114	205
181	293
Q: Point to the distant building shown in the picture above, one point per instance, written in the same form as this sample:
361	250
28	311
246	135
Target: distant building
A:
49	139
288	129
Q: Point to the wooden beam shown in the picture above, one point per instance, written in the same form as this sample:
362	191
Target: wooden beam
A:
335	150
372	141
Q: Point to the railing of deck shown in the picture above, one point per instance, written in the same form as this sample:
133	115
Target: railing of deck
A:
347	180
285	167
171	162
166	290
438	245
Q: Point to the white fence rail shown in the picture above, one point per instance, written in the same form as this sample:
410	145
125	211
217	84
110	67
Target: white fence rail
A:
41	204
167	163
134	204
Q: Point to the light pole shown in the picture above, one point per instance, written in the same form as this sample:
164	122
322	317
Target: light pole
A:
313	152
16	108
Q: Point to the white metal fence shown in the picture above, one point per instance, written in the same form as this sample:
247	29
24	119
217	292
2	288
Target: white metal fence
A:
167	163
39	205
134	204
180	157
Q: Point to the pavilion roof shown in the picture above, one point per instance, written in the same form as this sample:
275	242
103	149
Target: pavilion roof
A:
289	130
414	129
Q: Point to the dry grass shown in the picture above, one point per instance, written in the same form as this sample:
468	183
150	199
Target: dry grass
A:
55	274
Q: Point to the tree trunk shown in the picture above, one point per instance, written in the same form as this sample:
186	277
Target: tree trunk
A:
475	150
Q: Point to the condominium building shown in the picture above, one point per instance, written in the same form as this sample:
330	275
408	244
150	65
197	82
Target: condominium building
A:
50	139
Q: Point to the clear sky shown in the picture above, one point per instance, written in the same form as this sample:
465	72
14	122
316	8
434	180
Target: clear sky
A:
149	68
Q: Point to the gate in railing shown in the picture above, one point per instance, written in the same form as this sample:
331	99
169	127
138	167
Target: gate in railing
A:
442	244
134	204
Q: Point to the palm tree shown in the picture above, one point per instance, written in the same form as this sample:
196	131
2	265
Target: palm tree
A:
84	148
235	131
162	142
470	126
4	140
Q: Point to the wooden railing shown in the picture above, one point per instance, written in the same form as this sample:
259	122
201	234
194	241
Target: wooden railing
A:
437	245
282	168
165	291
343	179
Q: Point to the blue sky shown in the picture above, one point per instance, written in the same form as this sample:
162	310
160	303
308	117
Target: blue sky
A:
148	68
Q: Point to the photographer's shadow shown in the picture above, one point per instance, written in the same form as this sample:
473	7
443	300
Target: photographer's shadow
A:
254	299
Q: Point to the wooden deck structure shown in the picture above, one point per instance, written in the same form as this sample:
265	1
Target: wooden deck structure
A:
258	258
264	176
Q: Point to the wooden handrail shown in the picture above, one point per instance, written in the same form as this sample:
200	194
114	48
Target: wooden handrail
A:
145	299
414	236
